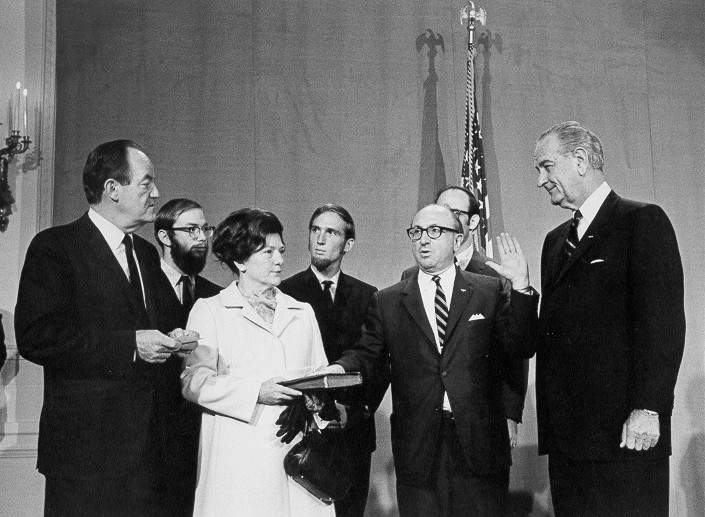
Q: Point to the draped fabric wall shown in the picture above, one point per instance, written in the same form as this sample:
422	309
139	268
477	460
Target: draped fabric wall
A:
290	104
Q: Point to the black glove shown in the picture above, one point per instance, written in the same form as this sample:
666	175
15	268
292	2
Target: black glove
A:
293	420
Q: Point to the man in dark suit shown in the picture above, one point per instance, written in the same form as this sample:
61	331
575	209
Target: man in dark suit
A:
464	205
88	312
340	303
182	232
444	332
612	337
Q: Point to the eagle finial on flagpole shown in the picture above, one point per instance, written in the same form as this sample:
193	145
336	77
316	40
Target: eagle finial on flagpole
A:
469	15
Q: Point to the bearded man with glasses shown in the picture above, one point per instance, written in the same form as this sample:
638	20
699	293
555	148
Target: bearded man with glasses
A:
444	332
183	235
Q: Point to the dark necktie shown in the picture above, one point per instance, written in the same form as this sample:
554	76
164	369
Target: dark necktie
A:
188	297
327	292
134	272
441	310
572	242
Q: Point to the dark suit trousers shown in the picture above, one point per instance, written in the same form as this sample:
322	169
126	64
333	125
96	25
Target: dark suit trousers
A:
356	499
608	489
456	490
133	495
127	496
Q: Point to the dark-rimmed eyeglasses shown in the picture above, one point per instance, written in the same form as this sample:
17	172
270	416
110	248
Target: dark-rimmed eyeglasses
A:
435	231
195	231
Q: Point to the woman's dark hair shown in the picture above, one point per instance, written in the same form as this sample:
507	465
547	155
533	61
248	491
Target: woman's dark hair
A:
243	233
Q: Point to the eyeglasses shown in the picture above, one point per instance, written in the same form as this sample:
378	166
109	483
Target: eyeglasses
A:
195	231
433	232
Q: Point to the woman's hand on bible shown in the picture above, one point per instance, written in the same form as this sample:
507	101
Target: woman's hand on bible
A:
273	394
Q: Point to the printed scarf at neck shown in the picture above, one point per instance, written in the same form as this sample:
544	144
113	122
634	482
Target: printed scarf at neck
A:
263	303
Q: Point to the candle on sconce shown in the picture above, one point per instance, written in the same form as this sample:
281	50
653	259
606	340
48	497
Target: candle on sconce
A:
37	127
16	111
24	111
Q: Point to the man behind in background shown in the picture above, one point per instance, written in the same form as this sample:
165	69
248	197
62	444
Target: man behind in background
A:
340	303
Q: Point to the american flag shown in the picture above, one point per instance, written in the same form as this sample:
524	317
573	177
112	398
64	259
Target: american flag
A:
473	174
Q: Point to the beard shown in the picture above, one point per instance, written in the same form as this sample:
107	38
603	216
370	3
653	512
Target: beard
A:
190	261
321	263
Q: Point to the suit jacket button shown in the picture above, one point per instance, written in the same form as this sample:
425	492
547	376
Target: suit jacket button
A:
444	374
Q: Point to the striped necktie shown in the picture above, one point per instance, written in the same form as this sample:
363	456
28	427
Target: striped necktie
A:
572	241
441	310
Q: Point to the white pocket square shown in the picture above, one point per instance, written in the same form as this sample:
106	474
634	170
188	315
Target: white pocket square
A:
476	317
597	261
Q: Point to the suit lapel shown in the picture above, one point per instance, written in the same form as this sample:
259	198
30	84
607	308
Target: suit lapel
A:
282	317
593	233
342	292
462	292
105	261
314	293
557	252
411	299
150	296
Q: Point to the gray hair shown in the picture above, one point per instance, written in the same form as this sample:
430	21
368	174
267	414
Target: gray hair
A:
572	135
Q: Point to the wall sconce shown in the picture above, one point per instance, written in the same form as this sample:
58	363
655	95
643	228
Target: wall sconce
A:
16	144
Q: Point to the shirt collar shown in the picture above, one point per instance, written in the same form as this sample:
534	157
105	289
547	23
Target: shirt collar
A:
593	203
463	258
321	278
111	233
172	274
447	279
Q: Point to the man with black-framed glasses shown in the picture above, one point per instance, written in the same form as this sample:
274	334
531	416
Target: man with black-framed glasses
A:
466	208
444	333
183	235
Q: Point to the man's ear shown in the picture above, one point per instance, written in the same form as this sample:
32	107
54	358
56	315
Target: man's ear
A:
581	159
164	238
473	222
348	245
457	241
111	189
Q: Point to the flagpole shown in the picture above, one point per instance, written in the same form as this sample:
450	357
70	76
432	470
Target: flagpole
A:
473	173
469	15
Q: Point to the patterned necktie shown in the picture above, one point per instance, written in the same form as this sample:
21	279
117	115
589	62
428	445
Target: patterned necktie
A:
441	310
187	295
572	242
134	272
326	290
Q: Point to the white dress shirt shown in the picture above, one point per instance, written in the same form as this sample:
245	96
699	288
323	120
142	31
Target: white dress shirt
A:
175	280
463	258
114	236
321	279
591	206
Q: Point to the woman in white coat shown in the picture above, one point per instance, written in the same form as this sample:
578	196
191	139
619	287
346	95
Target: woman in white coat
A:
252	335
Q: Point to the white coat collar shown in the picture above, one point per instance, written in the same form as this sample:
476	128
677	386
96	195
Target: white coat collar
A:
287	308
